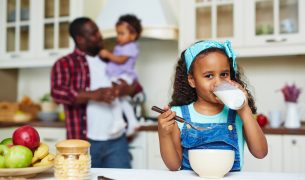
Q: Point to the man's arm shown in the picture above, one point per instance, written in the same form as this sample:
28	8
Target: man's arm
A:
60	84
63	93
102	95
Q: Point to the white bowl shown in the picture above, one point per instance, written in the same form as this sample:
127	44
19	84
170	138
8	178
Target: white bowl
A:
211	163
47	116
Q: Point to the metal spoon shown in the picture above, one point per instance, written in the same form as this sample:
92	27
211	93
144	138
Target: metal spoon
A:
180	119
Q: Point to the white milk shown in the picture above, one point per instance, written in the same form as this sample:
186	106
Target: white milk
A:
231	96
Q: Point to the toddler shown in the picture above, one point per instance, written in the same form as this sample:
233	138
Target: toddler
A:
122	66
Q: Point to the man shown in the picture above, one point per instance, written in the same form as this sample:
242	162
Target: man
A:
79	82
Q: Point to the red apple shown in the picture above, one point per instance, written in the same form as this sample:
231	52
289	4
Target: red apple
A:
26	136
262	120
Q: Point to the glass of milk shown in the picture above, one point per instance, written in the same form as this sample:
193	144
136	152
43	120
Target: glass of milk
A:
230	95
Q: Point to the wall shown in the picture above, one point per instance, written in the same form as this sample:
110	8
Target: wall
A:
33	82
267	75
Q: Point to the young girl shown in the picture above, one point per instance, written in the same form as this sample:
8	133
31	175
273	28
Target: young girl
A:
122	65
201	67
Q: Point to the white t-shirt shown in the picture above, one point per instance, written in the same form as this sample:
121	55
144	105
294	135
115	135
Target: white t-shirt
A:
100	115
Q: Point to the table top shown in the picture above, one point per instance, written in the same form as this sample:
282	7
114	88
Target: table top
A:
134	174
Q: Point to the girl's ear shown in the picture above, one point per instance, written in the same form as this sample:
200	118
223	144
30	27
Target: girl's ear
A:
191	81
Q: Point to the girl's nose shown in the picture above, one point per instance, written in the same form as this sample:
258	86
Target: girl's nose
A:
218	81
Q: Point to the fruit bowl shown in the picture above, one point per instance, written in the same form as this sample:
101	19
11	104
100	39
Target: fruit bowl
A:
23	172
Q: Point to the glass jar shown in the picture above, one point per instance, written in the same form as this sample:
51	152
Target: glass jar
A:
72	160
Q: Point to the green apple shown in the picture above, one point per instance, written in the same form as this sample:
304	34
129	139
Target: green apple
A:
3	151
2	163
7	141
18	157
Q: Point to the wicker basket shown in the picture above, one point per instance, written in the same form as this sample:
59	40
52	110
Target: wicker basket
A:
8	111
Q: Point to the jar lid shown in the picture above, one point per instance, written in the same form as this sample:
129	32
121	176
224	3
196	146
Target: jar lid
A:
73	146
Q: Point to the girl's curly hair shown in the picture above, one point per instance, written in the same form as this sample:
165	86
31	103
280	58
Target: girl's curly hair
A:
184	94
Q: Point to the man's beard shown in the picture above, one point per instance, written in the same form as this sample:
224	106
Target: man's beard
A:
94	50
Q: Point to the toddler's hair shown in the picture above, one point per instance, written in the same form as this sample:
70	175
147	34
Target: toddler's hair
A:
184	94
133	22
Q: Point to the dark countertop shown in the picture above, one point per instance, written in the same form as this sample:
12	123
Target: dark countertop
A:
150	127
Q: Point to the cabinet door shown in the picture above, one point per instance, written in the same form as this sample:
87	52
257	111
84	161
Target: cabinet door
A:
55	24
214	19
153	150
16	31
294	154
35	32
275	22
137	150
272	162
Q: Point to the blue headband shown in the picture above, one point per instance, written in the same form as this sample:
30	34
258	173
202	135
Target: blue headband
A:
196	48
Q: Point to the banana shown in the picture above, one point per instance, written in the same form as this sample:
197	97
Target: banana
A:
49	159
41	152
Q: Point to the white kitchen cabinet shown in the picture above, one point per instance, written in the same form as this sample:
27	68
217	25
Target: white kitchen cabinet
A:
145	151
212	19
47	135
272	162
274	27
274	21
16	21
138	151
36	32
286	154
294	154
153	150
255	27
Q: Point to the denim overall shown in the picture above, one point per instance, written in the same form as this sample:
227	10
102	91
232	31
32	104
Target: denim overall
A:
219	136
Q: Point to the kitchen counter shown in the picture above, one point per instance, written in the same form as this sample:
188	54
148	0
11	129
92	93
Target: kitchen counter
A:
150	126
134	174
35	123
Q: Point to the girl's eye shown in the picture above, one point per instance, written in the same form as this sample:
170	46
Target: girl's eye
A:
209	76
224	74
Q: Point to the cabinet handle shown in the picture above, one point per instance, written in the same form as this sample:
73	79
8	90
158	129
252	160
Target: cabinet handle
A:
276	40
15	56
53	53
49	139
294	142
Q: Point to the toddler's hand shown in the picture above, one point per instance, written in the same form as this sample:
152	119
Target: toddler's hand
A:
104	53
166	122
